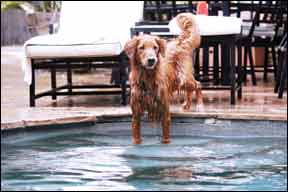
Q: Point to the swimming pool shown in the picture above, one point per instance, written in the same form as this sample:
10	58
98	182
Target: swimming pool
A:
205	154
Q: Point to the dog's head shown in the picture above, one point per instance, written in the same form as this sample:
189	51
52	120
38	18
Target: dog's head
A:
145	50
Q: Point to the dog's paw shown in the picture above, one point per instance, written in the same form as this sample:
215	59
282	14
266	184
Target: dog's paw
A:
186	106
137	141
165	141
200	107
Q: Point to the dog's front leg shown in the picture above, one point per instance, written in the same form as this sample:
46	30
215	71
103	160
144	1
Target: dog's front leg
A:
166	121
136	114
136	132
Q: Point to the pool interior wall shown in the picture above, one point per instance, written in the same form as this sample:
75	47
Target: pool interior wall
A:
205	154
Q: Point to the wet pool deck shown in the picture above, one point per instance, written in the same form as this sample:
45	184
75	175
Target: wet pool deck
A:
258	102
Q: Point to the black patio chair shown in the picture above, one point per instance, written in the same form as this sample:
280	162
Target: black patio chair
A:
263	31
80	45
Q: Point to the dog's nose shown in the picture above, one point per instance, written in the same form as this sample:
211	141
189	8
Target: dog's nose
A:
151	61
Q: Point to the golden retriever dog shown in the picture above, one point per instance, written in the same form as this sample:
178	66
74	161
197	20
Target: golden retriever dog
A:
157	72
148	83
178	57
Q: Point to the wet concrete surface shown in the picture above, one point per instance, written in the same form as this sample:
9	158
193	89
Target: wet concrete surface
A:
258	102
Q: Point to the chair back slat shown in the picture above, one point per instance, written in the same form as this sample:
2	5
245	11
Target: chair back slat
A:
163	11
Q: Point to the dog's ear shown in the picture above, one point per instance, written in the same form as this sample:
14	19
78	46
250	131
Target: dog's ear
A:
162	45
130	47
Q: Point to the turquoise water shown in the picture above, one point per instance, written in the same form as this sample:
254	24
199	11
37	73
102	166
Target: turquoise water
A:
203	155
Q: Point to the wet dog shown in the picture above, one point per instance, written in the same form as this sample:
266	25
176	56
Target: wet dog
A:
148	83
157	72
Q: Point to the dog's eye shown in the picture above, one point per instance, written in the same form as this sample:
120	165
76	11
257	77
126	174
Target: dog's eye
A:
155	47
141	47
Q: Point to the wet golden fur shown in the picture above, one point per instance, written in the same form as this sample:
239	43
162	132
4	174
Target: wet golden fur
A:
152	86
178	58
148	86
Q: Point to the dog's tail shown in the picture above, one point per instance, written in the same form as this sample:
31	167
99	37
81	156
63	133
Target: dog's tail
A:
190	31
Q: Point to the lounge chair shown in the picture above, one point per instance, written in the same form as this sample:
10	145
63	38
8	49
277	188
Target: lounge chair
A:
91	34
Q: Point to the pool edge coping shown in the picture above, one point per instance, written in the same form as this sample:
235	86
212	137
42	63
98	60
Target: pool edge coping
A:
100	118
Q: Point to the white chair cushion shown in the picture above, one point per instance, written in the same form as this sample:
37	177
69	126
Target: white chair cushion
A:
60	46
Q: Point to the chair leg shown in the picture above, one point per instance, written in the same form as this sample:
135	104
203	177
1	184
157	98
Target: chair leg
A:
274	63
53	83
239	72
32	87
232	74
205	63
252	66
245	64
122	61
123	79
69	78
123	92
225	66
279	69
283	78
266	53
197	65
216	65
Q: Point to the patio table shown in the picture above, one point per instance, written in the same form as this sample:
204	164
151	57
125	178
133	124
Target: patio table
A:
232	75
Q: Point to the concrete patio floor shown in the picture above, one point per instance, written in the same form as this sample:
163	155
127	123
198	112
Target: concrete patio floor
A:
258	102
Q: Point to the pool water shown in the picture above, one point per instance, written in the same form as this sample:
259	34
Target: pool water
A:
205	154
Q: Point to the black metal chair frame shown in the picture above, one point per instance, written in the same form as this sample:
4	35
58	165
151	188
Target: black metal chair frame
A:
283	74
256	9
282	68
260	9
119	62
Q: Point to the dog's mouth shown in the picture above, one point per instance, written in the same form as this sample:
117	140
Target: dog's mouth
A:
149	67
